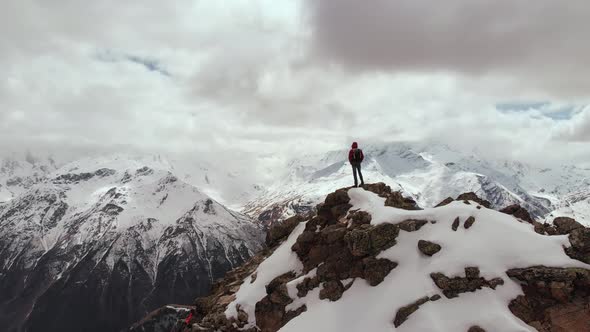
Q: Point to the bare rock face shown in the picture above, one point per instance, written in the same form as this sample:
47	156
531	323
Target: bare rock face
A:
428	248
452	287
518	212
471	196
556	299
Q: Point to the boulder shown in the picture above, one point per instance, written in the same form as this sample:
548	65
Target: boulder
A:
455	224
428	248
411	225
469	222
580	245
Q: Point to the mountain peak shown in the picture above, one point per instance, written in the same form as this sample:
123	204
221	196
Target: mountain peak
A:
358	265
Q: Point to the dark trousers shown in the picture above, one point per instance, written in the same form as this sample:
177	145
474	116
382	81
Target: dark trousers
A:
356	167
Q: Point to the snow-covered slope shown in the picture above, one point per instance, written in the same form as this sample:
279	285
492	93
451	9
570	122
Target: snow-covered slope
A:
102	241
459	267
427	172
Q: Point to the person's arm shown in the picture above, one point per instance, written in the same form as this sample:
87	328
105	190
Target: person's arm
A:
362	156
350	156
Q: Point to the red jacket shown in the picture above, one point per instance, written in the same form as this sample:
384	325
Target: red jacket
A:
351	155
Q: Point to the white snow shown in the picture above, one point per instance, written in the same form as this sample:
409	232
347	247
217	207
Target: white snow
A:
280	262
495	243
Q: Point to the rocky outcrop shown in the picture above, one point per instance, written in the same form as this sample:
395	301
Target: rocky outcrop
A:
340	245
580	245
279	231
565	225
452	287
392	198
555	299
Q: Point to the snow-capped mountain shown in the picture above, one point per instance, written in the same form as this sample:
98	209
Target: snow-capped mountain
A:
98	243
19	173
429	173
361	264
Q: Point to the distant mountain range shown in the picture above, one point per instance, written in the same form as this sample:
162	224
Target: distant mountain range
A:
96	244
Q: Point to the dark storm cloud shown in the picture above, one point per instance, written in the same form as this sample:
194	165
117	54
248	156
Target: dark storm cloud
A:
541	43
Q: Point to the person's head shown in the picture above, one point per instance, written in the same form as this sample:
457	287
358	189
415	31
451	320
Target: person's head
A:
355	145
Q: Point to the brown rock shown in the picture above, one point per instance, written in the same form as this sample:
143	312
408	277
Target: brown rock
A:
370	240
306	285
411	225
476	329
293	313
556	299
360	218
332	290
428	248
375	270
518	212
380	188
281	230
472	272
455	225
397	200
566	225
469	222
580	245
404	312
334	233
471	196
446	201
452	287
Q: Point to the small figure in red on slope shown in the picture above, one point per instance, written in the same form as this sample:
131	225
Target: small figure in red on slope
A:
355	157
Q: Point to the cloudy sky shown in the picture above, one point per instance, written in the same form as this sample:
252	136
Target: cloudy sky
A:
272	78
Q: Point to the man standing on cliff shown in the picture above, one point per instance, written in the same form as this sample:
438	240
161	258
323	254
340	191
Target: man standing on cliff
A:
355	157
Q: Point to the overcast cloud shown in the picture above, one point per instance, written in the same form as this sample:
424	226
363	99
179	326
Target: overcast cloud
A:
269	79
